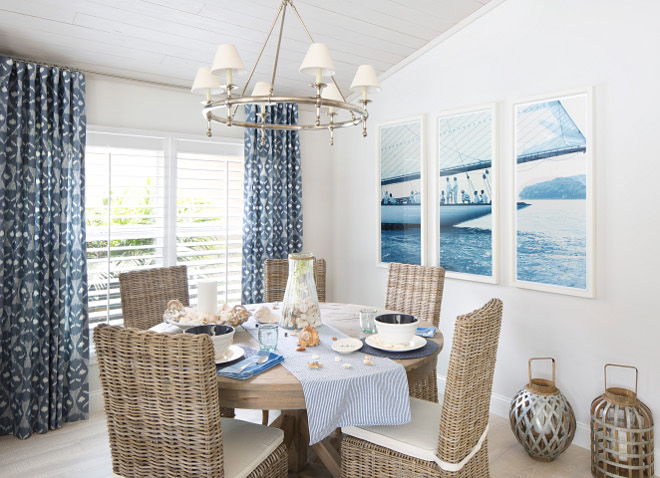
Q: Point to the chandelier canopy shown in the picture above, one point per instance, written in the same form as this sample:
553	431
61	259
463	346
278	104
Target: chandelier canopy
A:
332	110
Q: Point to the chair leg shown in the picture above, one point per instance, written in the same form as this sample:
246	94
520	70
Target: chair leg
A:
264	417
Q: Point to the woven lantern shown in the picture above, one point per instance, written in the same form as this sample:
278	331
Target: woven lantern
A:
621	433
541	418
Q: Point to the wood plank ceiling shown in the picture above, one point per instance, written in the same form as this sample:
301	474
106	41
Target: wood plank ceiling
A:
165	41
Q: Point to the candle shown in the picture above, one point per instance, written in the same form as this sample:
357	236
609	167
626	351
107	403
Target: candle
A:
207	297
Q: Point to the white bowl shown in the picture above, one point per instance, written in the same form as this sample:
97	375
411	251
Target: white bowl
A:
221	335
396	329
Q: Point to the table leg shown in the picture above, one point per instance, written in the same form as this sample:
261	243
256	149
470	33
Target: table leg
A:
295	438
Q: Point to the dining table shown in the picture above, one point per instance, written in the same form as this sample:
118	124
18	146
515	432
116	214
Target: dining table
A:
278	389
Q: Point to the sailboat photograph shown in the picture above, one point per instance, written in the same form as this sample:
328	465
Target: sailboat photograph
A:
553	175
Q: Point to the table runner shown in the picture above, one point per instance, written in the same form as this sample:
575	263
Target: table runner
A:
336	396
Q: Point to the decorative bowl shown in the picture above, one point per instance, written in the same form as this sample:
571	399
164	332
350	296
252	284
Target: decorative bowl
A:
221	336
396	329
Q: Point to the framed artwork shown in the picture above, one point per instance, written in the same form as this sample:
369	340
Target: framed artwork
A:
554	196
466	201
401	160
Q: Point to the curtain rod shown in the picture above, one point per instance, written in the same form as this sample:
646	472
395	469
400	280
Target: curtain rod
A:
96	73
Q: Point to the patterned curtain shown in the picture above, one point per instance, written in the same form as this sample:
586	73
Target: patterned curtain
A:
43	301
272	194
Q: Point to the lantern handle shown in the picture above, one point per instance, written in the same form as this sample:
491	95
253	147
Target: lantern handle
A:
621	366
529	365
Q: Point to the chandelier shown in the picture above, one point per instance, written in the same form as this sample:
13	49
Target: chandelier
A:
332	109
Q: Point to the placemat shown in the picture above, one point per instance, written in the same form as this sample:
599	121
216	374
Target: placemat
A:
249	352
425	351
336	396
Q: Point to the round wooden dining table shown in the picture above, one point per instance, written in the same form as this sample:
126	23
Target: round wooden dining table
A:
277	389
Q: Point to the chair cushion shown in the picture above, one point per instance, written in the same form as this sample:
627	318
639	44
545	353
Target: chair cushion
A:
417	438
245	445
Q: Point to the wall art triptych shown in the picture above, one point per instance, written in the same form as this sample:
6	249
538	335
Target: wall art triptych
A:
445	210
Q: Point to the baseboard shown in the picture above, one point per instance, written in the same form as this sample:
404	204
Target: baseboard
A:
499	405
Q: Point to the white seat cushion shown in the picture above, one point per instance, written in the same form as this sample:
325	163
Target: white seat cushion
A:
417	438
246	444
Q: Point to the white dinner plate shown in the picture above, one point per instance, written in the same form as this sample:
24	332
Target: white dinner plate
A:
346	345
234	352
374	341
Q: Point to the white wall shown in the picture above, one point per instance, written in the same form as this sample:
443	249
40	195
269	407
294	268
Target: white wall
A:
520	49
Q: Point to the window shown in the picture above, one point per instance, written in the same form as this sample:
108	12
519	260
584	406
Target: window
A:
159	201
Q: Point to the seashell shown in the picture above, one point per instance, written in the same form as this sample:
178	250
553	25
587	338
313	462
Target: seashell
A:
264	315
368	362
314	364
337	358
308	337
236	316
347	365
301	349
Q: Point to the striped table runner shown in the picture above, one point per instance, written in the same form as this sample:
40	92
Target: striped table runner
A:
336	396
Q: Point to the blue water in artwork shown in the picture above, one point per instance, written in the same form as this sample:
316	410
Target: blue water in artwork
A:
552	243
467	249
403	245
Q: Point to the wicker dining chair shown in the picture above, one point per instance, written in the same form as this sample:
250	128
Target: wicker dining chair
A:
276	273
145	294
445	441
417	290
163	412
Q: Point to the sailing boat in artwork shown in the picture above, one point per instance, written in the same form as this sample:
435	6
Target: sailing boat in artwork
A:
545	130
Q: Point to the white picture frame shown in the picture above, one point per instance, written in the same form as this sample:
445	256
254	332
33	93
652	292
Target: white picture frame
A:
402	168
553	167
465	147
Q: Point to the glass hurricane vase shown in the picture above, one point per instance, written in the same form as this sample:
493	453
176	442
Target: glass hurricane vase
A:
301	303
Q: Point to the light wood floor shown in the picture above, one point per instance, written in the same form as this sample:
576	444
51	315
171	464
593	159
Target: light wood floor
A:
81	450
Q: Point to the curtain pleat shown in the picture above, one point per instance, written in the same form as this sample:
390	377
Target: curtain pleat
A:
272	194
43	301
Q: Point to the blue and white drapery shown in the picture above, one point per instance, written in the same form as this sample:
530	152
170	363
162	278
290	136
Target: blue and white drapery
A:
272	194
44	341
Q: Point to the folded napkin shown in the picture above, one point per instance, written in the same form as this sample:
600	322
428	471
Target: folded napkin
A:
426	331
252	368
165	328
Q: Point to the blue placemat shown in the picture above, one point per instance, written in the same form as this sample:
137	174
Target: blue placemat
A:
425	351
248	353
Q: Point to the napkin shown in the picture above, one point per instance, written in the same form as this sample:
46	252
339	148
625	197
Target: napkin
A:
253	368
165	328
426	331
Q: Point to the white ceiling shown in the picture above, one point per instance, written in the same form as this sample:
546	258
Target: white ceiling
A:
165	41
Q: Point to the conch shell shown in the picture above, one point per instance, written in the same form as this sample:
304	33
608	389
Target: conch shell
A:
308	337
236	316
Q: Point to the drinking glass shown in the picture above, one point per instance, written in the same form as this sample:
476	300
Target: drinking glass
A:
268	336
368	320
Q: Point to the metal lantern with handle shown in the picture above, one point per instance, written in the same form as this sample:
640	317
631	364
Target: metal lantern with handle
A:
541	418
621	433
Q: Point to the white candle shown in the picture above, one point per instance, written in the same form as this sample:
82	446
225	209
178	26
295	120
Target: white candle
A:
207	297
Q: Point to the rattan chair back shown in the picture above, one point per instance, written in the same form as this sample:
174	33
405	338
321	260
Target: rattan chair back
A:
469	381
145	293
276	273
415	290
161	402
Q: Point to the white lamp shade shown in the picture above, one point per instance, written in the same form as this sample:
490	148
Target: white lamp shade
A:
366	77
204	81
261	88
318	56
227	58
331	92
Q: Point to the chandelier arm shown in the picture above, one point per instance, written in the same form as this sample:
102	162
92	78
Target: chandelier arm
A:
301	20
263	47
312	40
277	52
